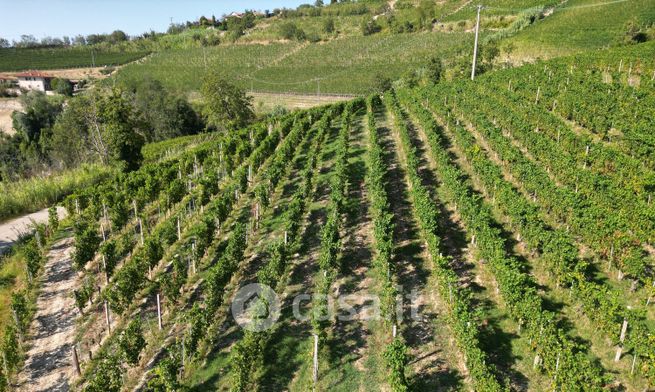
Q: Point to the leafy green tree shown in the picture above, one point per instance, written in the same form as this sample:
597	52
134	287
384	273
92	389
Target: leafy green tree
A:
163	114
434	70
290	30
370	27
381	83
35	122
62	86
132	342
328	26
119	130
226	106
102	126
73	142
118	36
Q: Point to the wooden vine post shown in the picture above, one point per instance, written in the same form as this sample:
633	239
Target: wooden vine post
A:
141	230
76	362
315	374
159	312
107	318
619	350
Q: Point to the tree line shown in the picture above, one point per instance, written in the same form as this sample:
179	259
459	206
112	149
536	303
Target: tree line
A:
110	125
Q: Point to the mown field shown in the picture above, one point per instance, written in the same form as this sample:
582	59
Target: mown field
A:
20	59
517	207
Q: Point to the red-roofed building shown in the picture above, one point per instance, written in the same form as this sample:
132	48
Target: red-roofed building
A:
34	80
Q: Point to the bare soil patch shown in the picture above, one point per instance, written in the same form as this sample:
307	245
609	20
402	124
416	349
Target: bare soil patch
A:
49	364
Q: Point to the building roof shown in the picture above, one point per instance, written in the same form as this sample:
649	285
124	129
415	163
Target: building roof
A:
33	74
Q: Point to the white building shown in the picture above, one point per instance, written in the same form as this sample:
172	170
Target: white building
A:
34	80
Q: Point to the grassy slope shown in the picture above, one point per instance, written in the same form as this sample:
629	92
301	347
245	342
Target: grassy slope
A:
349	62
581	25
345	65
25	196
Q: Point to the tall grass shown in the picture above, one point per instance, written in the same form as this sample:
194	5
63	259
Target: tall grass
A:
25	196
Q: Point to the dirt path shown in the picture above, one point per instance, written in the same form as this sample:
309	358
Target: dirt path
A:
11	230
49	360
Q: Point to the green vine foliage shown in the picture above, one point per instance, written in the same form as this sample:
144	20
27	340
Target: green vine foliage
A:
396	357
107	376
87	241
34	259
132	342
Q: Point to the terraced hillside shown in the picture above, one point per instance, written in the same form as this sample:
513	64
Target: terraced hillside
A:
471	235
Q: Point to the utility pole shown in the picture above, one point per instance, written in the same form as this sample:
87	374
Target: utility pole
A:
475	48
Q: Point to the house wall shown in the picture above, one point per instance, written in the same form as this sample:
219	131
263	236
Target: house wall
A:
35	84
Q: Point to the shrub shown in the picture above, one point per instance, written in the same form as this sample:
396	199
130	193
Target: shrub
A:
370	27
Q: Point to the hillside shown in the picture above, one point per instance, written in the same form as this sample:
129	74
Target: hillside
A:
430	233
301	67
280	66
261	58
518	206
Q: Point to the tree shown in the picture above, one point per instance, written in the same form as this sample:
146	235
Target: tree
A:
4	43
103	125
381	83
425	13
62	86
328	26
434	70
370	26
26	41
163	114
290	30
37	118
119	130
118	36
226	107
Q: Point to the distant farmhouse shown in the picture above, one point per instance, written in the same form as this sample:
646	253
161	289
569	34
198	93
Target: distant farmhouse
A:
34	80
